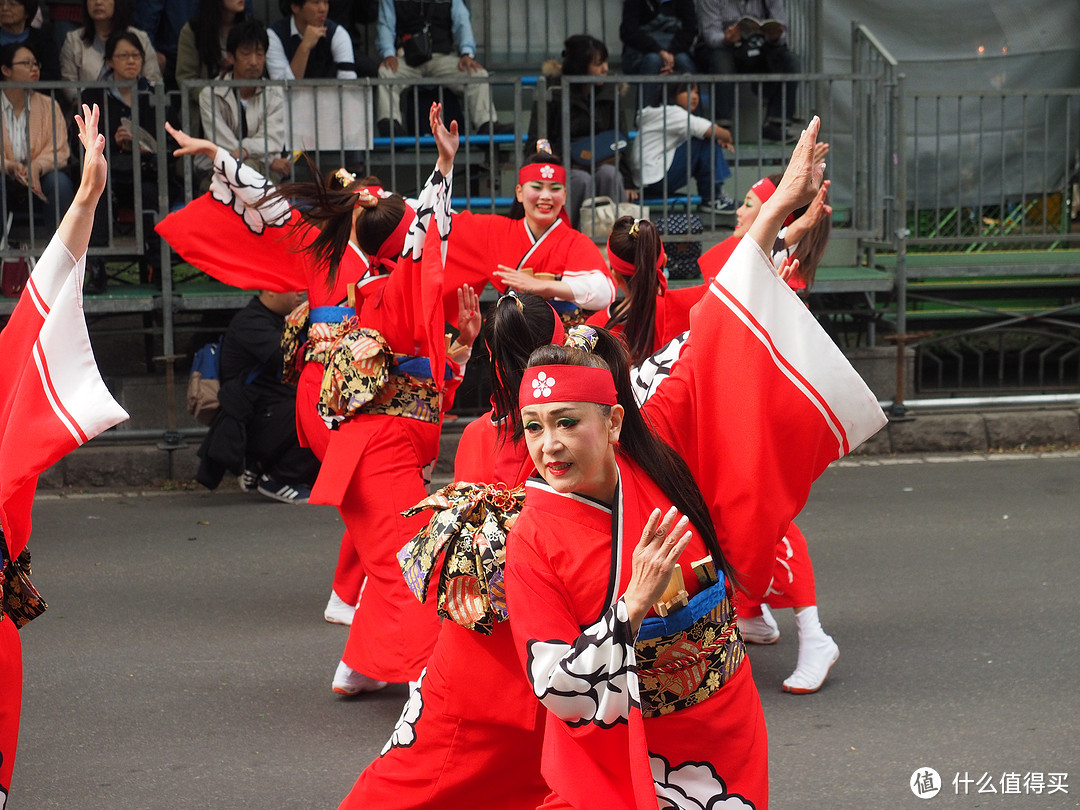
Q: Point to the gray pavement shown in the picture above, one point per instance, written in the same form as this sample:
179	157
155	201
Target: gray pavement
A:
184	663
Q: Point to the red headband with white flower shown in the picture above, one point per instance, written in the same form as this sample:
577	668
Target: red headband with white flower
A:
542	172
542	384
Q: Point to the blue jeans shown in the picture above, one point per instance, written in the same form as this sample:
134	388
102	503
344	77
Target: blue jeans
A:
704	160
649	64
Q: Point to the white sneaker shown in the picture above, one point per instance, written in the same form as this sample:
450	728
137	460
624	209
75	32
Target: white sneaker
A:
338	611
349	682
760	629
816	658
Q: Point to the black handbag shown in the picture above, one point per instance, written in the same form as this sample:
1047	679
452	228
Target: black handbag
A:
417	47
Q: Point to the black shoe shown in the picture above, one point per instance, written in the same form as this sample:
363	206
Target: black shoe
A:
388	127
489	128
779	134
96	279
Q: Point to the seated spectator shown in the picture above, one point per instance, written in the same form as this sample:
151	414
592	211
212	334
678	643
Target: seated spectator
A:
254	434
592	110
305	44
200	49
34	132
162	21
357	16
15	27
124	60
733	44
65	17
430	40
657	37
82	59
673	144
248	122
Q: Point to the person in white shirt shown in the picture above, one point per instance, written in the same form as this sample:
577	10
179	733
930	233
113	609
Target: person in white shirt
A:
306	44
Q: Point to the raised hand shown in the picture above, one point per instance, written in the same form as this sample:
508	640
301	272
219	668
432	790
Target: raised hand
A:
190	145
445	139
95	170
468	315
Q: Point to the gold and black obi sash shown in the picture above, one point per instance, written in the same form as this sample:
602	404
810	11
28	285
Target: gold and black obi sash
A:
19	599
363	375
686	657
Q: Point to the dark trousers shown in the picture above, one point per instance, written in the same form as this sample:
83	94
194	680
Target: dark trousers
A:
779	97
704	160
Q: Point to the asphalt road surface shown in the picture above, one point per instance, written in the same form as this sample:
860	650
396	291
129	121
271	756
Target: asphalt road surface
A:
184	662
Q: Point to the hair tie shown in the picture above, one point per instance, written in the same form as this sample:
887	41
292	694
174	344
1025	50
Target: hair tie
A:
345	177
634	229
543	145
581	337
365	199
511	294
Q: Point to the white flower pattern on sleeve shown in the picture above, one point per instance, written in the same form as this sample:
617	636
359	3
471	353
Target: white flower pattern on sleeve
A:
593	680
405	731
241	187
692	786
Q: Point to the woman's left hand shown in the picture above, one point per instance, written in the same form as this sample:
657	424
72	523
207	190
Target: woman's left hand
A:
468	315
94	168
445	139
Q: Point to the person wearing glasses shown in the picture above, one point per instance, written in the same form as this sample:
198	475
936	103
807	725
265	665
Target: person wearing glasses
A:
35	144
128	135
15	17
83	58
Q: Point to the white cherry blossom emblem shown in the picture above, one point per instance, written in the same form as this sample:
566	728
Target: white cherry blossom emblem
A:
547	172
542	385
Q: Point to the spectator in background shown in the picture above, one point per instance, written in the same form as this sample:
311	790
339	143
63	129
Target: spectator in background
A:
306	44
248	122
64	17
35	140
254	433
593	109
128	149
673	144
658	39
201	51
162	20
16	17
82	59
358	16
735	41
446	27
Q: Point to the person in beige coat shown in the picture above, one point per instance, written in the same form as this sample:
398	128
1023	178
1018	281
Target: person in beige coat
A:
248	122
82	58
35	142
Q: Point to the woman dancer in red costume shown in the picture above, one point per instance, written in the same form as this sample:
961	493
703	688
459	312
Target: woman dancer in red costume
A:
803	238
373	457
634	714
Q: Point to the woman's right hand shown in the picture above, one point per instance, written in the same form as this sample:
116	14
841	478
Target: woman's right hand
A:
662	543
190	145
445	139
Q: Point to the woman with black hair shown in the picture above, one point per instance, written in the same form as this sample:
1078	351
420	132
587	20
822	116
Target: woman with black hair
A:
534	249
15	27
200	48
642	672
82	57
375	374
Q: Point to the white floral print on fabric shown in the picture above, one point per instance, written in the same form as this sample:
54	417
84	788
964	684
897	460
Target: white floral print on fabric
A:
405	731
692	786
241	187
592	680
542	385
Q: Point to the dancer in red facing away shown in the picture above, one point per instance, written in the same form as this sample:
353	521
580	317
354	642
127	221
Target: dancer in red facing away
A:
662	708
53	401
375	379
538	253
803	238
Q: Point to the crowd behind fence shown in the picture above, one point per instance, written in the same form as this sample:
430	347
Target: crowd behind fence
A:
908	171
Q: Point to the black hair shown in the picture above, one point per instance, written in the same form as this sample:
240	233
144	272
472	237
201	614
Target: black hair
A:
812	246
123	35
637	312
580	52
7	52
517	209
516	325
123	14
328	208
30	7
247	33
206	26
638	440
